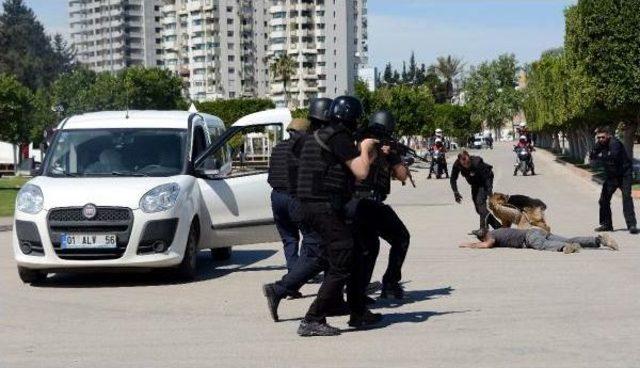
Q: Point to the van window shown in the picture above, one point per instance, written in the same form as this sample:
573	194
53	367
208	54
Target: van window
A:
250	149
117	152
199	141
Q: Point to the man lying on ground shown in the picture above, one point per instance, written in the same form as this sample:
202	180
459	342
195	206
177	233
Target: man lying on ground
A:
539	239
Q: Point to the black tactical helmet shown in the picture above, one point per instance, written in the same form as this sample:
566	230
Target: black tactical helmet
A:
319	109
383	120
346	110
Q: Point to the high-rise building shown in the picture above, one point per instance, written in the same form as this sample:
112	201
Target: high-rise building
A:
109	35
327	41
215	46
224	48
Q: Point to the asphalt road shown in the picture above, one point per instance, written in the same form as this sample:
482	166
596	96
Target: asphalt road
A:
480	308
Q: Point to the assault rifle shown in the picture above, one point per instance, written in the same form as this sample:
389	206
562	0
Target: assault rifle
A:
387	140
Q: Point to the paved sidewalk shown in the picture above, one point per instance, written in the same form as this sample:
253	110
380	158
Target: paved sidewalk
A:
6	224
465	308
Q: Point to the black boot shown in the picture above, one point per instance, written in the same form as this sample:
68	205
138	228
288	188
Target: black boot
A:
603	228
317	329
633	229
394	290
273	300
364	320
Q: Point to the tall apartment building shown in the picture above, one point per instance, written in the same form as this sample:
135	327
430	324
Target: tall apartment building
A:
328	41
216	46
224	48
109	35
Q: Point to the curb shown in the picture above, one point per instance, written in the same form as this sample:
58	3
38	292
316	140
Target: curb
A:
586	175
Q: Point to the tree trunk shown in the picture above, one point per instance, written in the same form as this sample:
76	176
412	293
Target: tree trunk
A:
15	159
556	142
630	129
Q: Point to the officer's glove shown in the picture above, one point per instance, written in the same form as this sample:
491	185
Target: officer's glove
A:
457	196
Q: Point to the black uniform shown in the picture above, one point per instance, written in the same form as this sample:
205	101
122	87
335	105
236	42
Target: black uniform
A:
325	186
374	219
619	174
480	176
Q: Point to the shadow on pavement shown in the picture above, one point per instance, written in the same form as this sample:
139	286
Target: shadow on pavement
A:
207	270
410	317
412	296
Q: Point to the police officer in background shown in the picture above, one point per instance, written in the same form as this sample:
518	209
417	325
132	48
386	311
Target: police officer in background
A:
480	176
310	262
329	164
610	152
375	219
282	166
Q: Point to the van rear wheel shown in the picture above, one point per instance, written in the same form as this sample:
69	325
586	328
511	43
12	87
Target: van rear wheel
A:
29	276
221	254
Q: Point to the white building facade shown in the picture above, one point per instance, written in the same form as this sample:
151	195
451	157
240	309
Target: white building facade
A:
110	35
326	39
224	48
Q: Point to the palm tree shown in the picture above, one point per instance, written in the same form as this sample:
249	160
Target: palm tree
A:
284	67
448	68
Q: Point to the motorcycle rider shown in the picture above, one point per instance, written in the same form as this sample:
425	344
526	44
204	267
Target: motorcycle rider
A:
480	176
619	174
374	219
438	146
329	165
524	143
309	263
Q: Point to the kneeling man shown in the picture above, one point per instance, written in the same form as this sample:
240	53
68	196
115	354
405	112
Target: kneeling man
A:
539	239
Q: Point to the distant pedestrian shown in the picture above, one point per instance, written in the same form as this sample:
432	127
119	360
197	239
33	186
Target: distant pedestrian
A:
618	168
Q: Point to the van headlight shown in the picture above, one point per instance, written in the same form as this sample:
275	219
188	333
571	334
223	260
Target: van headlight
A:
160	198
30	199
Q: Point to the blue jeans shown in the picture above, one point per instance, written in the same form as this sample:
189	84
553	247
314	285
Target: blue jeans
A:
541	240
282	207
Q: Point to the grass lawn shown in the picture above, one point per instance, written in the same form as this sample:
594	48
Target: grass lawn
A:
9	187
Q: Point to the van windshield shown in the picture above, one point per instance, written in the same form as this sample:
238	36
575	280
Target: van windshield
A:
117	152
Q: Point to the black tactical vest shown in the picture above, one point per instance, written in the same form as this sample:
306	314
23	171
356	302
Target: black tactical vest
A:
377	185
321	176
278	166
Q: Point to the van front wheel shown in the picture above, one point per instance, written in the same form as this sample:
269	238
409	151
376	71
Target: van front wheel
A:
188	268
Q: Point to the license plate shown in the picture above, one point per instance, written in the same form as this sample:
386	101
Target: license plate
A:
88	241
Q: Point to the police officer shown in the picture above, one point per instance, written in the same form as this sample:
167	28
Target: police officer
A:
310	262
480	176
375	219
282	165
329	164
619	174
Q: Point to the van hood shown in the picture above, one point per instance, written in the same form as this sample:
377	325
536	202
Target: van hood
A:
118	192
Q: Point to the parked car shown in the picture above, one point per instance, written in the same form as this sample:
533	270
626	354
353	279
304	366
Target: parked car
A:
144	189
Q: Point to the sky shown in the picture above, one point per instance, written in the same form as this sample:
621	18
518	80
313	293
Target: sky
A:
474	30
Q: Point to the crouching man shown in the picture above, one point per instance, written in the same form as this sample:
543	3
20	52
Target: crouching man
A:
539	239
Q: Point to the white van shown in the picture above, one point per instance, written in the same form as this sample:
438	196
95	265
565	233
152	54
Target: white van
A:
145	189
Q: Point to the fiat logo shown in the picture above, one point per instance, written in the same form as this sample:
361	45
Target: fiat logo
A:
89	211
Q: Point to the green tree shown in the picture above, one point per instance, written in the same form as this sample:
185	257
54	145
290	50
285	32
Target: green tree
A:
63	55
448	69
491	94
283	68
26	49
232	110
16	106
455	120
152	88
603	40
387	76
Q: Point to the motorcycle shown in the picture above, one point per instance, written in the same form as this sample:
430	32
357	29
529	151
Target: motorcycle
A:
440	162
524	161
